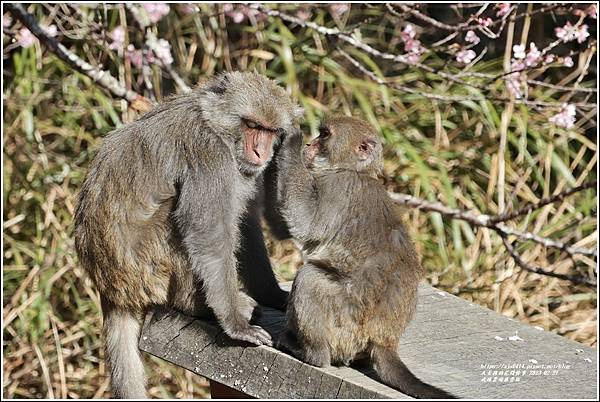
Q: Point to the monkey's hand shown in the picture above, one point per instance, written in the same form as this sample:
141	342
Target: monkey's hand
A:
294	140
243	331
251	334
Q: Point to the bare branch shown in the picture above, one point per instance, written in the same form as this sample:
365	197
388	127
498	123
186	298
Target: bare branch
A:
577	279
431	21
486	221
543	202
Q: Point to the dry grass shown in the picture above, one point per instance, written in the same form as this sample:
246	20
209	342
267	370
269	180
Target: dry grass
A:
55	119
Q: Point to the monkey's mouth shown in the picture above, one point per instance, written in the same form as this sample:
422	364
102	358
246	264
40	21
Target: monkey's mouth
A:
257	146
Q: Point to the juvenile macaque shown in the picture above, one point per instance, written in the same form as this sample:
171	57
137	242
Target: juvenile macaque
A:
357	290
162	216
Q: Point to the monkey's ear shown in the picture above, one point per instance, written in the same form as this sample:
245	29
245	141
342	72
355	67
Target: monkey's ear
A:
366	149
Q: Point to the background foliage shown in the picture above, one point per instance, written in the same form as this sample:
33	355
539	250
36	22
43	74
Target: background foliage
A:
455	129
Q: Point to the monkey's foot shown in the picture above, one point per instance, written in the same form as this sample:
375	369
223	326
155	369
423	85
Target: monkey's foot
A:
252	334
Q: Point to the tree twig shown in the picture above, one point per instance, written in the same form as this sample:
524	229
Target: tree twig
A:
543	202
577	279
485	221
354	41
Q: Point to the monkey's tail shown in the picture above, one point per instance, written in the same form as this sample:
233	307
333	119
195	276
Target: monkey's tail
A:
121	334
392	371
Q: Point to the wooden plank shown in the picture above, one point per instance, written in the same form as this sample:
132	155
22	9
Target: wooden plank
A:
458	346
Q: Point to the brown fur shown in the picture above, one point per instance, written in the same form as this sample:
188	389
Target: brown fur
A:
357	290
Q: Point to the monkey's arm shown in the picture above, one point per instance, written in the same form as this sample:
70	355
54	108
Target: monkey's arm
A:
255	267
296	187
272	204
207	222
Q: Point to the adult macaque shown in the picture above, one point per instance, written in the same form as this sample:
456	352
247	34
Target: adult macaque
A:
160	214
357	290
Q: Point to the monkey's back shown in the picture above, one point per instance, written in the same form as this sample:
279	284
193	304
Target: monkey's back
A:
124	231
377	265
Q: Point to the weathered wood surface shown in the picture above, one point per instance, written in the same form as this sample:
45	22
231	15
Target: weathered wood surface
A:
455	345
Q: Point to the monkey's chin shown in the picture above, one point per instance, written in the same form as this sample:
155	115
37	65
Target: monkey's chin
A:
248	168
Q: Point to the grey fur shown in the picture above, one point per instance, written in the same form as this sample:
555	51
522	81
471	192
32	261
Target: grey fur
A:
159	215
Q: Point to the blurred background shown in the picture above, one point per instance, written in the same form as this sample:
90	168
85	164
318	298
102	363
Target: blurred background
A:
484	108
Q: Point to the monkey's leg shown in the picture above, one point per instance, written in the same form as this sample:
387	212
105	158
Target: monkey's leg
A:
254	265
210	238
309	318
121	332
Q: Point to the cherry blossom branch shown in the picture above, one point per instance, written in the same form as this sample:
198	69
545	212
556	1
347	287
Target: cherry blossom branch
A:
463	26
99	76
449	98
141	18
486	221
352	40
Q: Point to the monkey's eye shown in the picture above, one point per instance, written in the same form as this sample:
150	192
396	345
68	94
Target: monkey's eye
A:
324	133
250	124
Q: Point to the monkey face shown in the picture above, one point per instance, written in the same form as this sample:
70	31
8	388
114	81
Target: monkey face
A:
258	141
253	112
345	143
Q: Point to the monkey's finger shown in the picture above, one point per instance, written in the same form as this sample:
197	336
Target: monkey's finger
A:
263	335
253	334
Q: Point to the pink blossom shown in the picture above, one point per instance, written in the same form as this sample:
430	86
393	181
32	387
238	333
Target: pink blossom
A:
569	32
156	11
163	51
26	38
533	56
50	30
503	9
592	11
519	51
118	38
514	85
566	117
339	8
6	20
187	8
413	58
485	22
134	55
549	59
303	14
564	33
465	56
239	14
411	45
408	33
471	37
568	61
513	80
517	65
582	33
